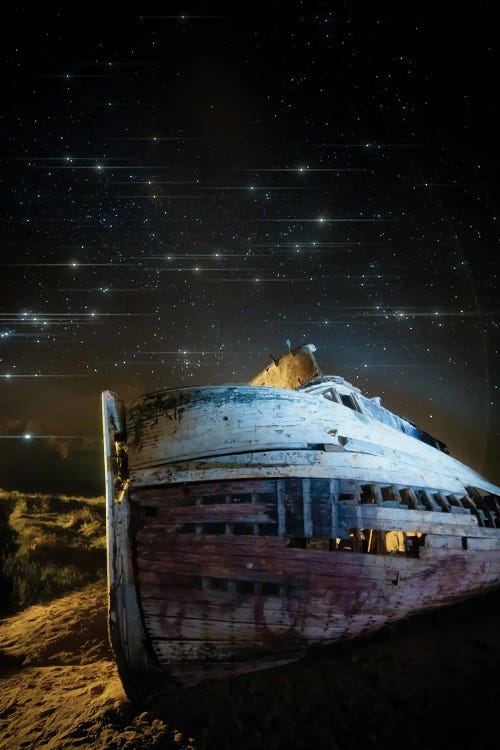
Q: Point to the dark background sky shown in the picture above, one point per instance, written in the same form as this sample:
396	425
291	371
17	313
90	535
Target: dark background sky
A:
182	194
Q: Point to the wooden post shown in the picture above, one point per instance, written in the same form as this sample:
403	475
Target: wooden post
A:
334	499
306	499
140	673
280	494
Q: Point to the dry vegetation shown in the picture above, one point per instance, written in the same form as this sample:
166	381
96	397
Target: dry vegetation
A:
49	545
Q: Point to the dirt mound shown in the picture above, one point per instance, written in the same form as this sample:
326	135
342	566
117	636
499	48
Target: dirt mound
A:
59	687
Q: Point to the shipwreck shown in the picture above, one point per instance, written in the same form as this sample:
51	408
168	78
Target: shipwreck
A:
246	524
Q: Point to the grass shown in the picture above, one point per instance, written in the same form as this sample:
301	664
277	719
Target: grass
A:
49	545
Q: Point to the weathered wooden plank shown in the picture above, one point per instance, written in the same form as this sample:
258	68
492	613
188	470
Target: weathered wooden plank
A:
154	579
162	571
317	609
469	554
257	632
241	526
268	568
294	508
281	494
487	543
177	654
246	638
317	464
367	513
260	633
152	538
137	668
203	650
442	541
185	493
482	532
217	513
321	511
230	571
306	505
182	602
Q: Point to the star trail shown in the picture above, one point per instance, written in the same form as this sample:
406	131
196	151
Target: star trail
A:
183	193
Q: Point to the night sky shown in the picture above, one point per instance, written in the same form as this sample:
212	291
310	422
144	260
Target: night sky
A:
182	193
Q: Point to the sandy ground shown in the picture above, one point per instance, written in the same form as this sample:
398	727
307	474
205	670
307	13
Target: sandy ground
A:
59	686
431	682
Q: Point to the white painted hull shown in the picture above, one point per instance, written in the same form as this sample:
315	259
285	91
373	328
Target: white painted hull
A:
230	431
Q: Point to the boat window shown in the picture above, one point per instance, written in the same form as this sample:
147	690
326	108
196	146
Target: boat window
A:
330	394
349	401
307	542
406	497
265	497
268	529
414	540
213	499
368	494
298	542
245	587
486	508
443	502
345	544
374	541
388	493
323	545
240	529
442	505
423	502
186	528
348	498
213	528
355	542
493	504
241	498
271	589
217	584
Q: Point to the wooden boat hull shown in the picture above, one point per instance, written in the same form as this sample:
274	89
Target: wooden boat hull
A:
241	532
